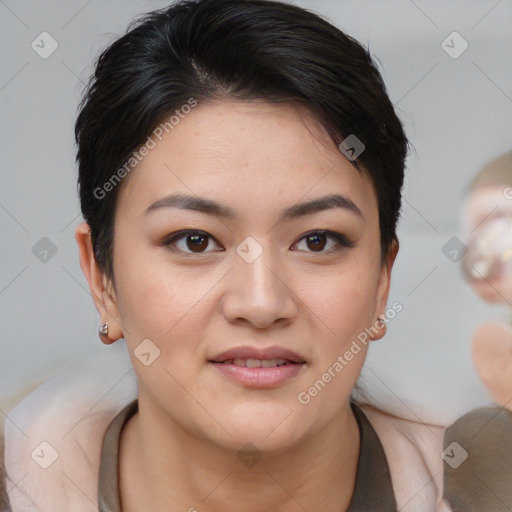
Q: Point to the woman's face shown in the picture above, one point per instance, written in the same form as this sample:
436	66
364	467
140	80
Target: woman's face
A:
488	227
256	278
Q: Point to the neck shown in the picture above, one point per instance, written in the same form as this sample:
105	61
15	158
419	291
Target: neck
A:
162	466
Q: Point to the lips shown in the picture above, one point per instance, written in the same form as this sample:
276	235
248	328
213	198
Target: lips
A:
255	368
250	356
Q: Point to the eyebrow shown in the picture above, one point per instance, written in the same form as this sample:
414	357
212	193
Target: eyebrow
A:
210	207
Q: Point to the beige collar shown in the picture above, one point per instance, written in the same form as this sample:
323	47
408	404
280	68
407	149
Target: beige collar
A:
373	489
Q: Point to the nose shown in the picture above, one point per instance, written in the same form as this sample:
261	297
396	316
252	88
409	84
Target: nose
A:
259	292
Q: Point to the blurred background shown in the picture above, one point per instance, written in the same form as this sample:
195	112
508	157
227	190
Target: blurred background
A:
448	69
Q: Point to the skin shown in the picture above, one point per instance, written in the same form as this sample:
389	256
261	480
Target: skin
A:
492	356
492	342
179	452
485	205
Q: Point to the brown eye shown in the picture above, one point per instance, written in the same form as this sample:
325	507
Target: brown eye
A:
316	241
197	243
189	242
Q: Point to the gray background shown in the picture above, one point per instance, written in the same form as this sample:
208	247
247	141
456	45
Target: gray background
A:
456	112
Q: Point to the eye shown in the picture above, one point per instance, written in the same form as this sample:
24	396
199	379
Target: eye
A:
196	241
317	241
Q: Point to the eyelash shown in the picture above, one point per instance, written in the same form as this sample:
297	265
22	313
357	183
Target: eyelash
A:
341	241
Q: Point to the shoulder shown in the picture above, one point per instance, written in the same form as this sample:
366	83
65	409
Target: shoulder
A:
466	466
4	501
478	473
53	436
413	450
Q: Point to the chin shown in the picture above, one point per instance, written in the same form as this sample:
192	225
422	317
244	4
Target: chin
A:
259	441
268	426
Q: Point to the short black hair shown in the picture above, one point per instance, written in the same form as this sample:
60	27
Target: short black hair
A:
232	49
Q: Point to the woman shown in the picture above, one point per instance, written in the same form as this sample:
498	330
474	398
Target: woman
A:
487	269
240	171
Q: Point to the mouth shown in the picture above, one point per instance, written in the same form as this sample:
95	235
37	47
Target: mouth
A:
258	363
259	368
275	355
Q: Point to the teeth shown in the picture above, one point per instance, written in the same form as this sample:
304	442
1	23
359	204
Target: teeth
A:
257	363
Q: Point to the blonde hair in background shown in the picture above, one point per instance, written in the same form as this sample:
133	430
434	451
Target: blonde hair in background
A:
497	172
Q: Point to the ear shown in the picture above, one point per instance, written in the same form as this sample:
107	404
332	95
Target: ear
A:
102	289
383	287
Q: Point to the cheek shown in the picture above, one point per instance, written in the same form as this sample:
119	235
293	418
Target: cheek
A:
343	312
493	290
161	301
169	308
341	303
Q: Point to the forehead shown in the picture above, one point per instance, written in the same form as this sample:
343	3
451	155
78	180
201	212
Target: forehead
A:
492	200
246	153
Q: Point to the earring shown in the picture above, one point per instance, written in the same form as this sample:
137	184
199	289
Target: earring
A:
383	326
103	329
